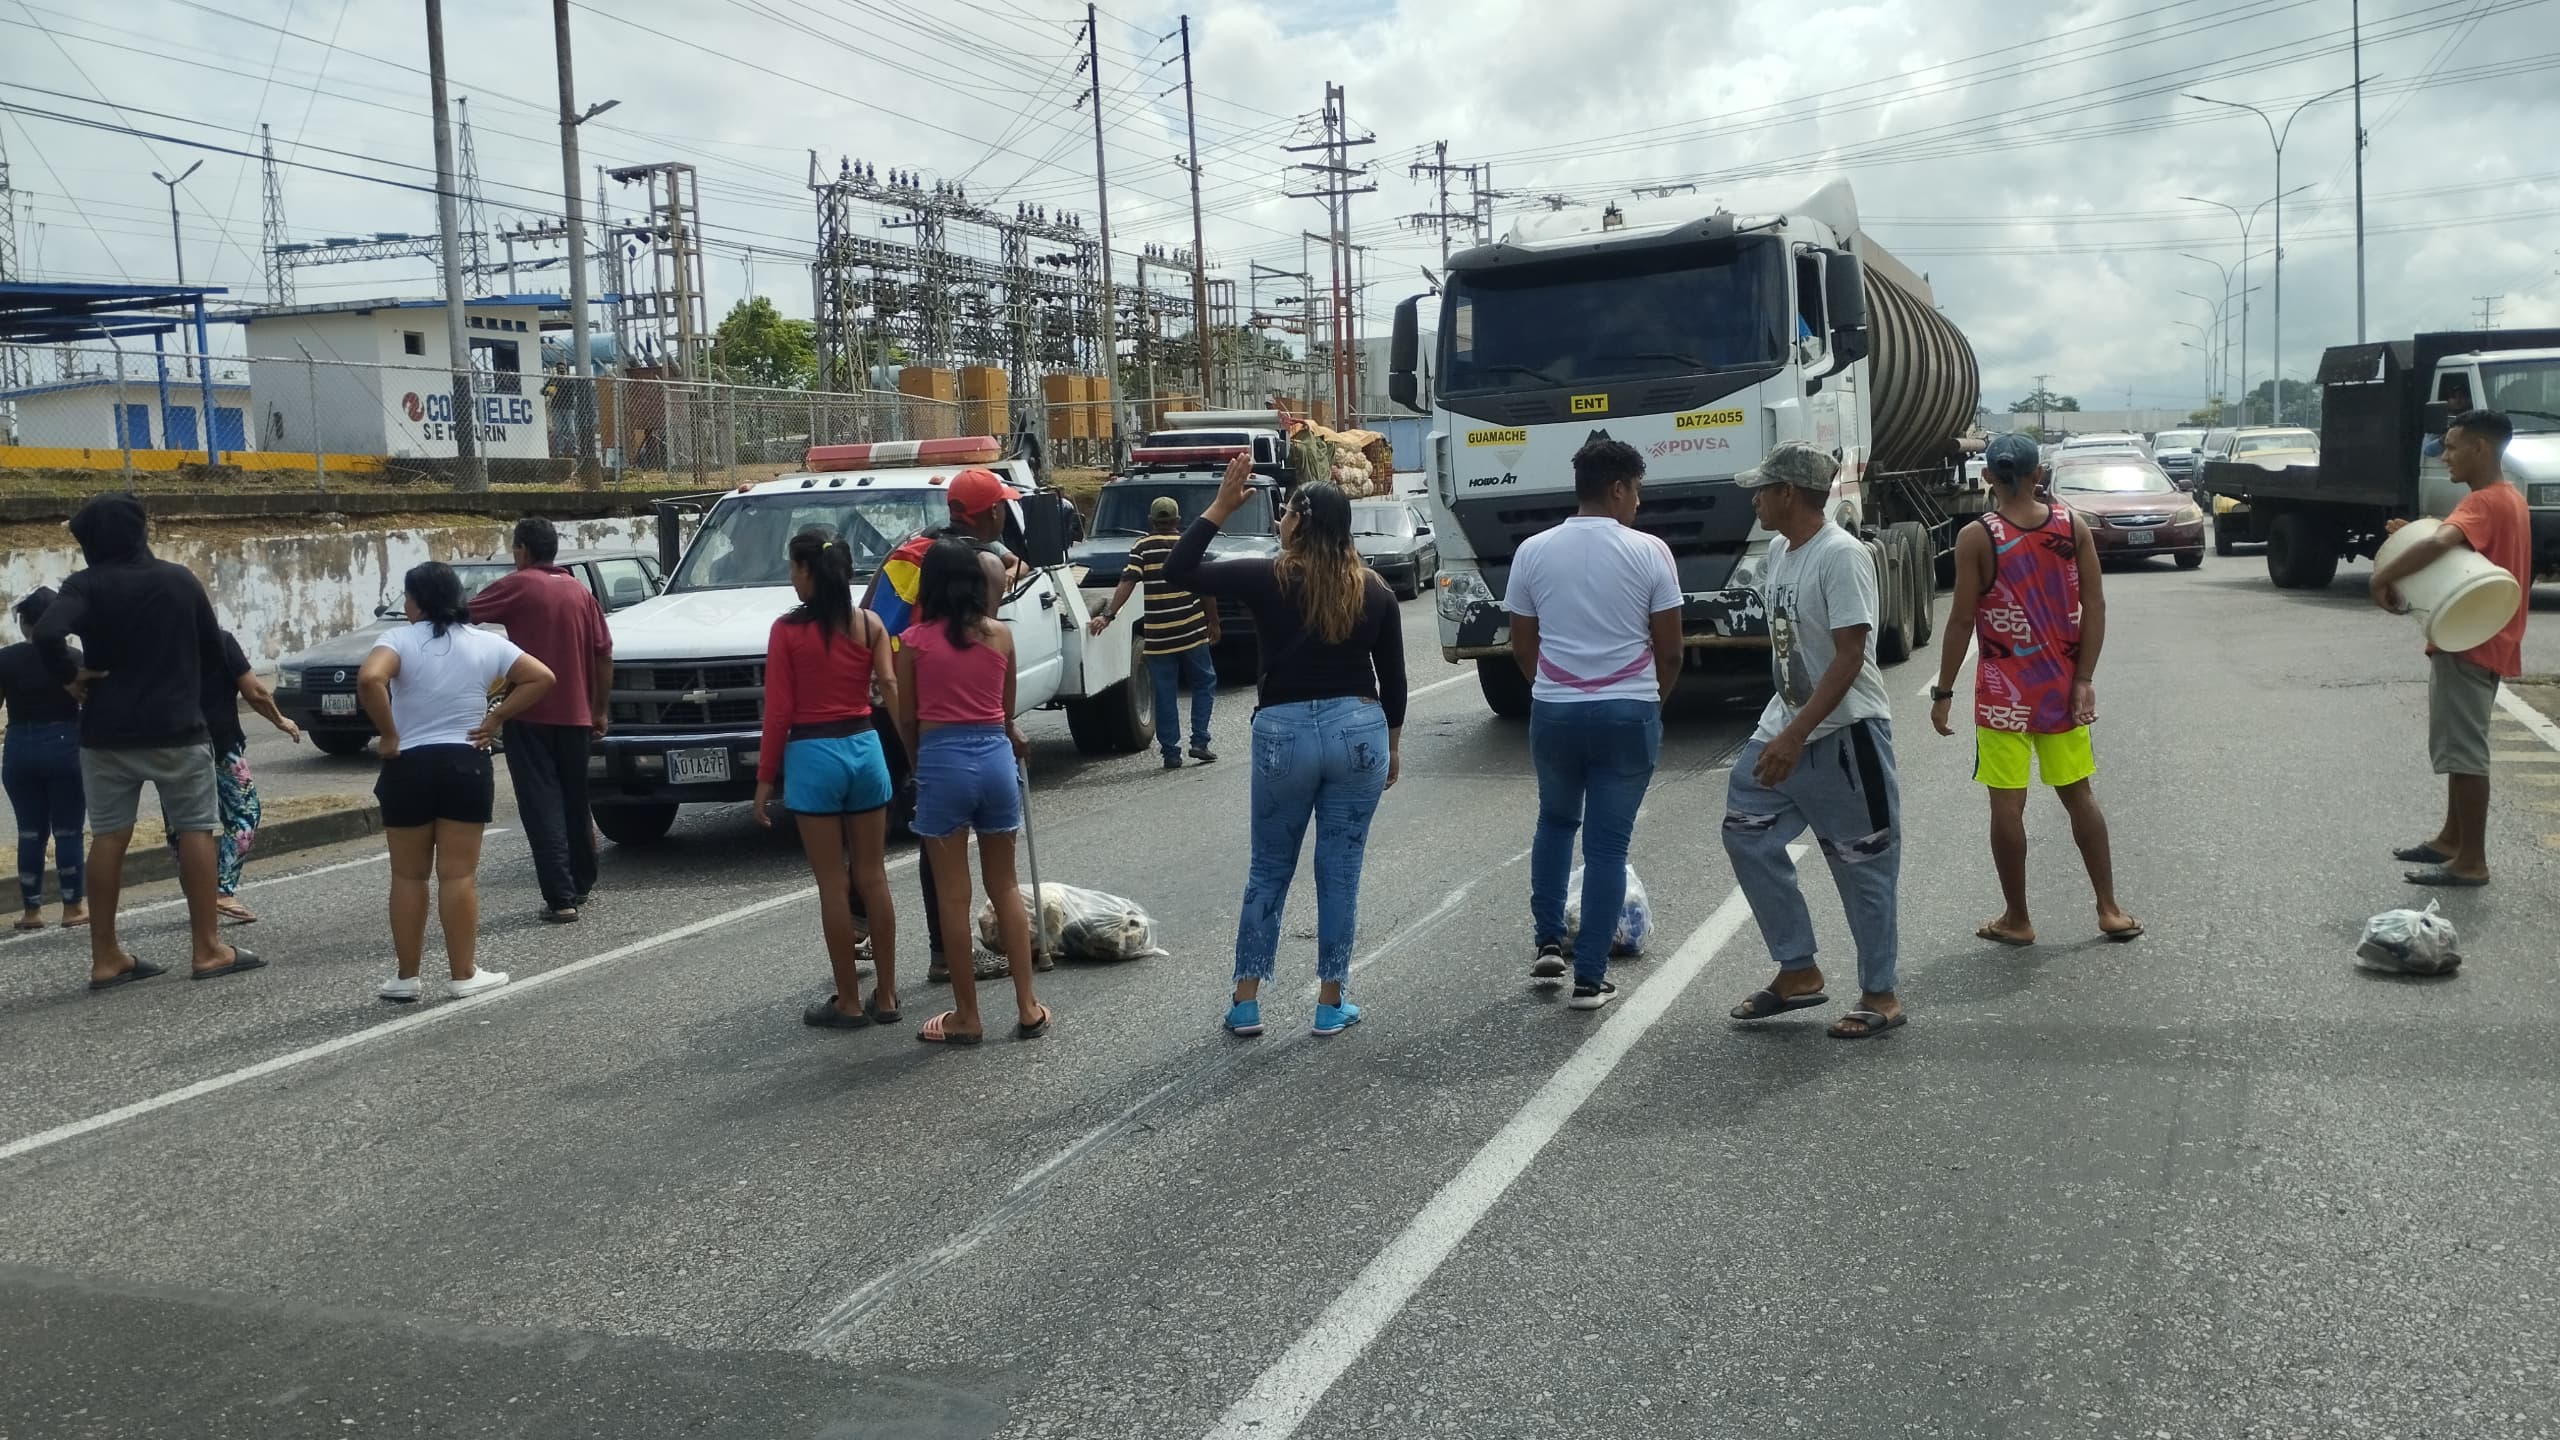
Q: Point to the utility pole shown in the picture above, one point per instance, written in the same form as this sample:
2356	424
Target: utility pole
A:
582	397
2489	310
1336	192
473	473
1439	168
2355	22
1102	213
2042	397
1201	331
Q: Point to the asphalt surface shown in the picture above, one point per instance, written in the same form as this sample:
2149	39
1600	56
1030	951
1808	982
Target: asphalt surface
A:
2214	1183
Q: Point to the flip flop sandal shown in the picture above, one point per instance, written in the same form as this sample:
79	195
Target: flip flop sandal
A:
823	1015
1034	1032
2118	937
1871	1023
1997	938
27	925
2421	855
936	1032
236	914
2440	877
78	924
871	1007
139	970
242	961
1761	1004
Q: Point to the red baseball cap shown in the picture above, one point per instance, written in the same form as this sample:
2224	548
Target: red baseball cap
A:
975	492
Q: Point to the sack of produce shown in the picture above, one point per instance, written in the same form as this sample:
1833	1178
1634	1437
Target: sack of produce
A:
1092	926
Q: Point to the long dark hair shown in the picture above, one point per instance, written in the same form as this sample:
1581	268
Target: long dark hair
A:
829	562
952	588
437	592
1320	569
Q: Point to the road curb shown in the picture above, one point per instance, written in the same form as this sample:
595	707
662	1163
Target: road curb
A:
303	832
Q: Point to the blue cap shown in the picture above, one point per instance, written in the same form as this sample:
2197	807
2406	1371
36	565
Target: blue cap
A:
2012	456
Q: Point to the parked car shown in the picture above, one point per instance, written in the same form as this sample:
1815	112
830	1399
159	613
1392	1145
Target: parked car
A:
2133	511
2270	447
1394	539
2180	455
2104	443
317	686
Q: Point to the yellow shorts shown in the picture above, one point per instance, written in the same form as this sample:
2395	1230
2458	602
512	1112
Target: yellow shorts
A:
2000	758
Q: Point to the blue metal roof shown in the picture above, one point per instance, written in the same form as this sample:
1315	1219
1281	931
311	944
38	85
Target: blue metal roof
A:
139	381
33	313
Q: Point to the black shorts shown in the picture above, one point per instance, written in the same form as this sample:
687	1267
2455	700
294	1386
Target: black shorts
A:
437	782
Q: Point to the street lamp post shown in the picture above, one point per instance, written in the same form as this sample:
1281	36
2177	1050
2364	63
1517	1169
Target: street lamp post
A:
2246	223
2276	137
175	248
2212	334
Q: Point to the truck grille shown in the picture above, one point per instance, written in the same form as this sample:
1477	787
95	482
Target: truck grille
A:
712	695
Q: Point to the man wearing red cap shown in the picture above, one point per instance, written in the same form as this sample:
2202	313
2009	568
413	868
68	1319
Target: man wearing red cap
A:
978	501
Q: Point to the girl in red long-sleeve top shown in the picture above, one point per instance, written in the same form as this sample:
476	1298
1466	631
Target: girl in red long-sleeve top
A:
821	664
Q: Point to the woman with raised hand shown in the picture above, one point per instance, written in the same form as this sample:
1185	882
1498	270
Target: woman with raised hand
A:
1327	729
427	687
822	751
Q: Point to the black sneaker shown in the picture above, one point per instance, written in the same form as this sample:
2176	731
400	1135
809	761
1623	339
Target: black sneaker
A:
1592	997
1204	754
1549	968
1173	762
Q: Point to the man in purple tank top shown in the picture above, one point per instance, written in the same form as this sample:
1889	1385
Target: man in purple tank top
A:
2028	601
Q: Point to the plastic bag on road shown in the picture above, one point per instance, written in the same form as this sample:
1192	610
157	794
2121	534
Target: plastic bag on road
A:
1635	915
2410	942
1088	925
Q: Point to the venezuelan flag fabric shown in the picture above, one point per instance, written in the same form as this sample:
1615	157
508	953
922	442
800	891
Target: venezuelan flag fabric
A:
901	576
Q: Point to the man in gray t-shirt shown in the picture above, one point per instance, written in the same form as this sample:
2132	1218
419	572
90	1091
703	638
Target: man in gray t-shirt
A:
1822	758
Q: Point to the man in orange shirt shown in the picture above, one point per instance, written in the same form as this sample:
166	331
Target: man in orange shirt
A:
2462	689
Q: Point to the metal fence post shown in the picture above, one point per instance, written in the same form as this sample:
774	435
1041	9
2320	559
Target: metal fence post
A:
124	432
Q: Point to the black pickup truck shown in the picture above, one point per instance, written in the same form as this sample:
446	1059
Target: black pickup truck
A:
2381	407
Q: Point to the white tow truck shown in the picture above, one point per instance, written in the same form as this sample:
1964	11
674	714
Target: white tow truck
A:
687	705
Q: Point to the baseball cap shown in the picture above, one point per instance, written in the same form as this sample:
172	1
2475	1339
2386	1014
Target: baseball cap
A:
2012	456
975	492
1165	507
1791	462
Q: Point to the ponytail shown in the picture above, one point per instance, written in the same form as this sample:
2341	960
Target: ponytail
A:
829	562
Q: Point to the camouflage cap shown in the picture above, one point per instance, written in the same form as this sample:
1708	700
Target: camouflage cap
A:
1791	462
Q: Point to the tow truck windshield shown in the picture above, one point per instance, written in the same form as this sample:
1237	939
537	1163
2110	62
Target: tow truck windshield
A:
1122	508
1612	317
745	540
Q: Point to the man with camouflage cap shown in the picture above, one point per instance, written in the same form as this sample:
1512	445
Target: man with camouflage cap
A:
1822	758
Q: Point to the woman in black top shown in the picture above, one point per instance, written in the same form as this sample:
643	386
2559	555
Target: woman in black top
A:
1326	729
40	764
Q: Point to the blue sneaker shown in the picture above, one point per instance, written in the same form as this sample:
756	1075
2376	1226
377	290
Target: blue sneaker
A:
1245	1018
1334	1019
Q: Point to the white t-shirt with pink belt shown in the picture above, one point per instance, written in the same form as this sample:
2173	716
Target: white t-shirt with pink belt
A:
1594	586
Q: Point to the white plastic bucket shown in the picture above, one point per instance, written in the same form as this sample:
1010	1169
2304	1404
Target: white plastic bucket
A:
2461	600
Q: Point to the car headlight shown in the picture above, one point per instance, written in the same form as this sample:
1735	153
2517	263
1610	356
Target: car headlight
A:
1462	591
2192	515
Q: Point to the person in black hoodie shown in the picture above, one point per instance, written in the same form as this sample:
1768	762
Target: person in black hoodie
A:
148	638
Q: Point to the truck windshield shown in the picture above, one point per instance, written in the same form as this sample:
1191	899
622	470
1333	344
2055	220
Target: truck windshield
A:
1122	508
1607	317
744	541
2528	391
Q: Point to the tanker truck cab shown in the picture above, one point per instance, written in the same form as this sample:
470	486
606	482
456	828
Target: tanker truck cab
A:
687	701
1702	341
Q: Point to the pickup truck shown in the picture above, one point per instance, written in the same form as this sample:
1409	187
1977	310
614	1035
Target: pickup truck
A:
1186	465
687	703
2381	407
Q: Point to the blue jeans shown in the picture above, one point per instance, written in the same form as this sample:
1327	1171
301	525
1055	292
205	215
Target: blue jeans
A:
1192	667
1319	759
1844	790
1594	760
40	767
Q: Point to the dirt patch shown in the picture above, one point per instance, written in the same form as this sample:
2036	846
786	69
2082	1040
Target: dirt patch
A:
147	834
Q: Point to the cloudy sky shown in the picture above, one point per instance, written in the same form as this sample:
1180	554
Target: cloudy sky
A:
2031	159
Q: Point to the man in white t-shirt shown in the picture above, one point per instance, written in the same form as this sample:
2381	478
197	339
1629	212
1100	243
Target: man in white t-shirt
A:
1822	758
1595	625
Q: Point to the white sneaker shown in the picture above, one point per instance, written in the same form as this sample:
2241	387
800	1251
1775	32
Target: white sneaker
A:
480	980
401	992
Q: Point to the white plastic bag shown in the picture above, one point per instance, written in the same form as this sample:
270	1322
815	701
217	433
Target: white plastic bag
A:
2410	942
1635	916
1087	925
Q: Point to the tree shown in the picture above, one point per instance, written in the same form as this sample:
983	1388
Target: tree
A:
2210	416
2043	399
757	345
2301	404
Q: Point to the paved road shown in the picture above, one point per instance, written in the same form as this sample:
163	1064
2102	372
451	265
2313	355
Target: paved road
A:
2217	1183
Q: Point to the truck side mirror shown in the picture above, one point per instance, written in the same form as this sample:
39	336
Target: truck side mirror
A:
1403	353
2436	418
1844	285
1044	529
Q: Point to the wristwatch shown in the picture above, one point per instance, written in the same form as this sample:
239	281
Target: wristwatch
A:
1941	695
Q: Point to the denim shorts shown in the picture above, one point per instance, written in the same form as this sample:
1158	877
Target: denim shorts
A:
840	775
966	779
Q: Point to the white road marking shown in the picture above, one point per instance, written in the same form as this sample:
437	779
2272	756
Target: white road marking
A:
2530	718
1412	695
476	1005
1281	1400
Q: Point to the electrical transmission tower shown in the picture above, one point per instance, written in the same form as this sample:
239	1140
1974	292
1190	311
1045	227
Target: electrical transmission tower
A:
1337	174
665	312
271	186
13	371
475	219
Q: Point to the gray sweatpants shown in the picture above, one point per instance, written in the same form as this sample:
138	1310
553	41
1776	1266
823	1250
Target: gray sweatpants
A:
1844	791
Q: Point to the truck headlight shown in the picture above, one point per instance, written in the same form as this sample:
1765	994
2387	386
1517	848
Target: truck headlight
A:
1746	571
1462	591
288	677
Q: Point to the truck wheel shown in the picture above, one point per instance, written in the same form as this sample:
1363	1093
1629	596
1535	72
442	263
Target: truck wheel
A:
1120	720
1506	690
1916	550
2299	557
635	824
1893	596
341	743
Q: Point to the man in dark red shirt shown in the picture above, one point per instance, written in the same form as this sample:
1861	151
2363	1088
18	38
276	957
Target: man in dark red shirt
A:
552	615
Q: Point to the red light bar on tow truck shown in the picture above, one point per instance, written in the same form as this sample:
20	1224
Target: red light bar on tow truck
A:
904	454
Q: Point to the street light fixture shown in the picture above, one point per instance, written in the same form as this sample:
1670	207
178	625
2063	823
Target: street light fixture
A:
595	110
2276	137
2246	223
175	247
